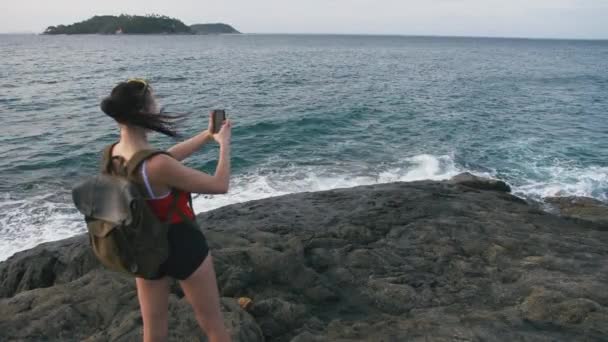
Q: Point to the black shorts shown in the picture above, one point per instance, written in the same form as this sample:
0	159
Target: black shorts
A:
187	251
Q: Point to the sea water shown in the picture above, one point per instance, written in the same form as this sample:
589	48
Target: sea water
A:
310	113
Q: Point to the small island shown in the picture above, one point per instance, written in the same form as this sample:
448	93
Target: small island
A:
134	24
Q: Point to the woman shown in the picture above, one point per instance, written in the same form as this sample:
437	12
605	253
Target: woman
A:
133	105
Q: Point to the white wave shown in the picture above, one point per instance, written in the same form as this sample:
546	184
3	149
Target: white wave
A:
566	181
28	222
421	167
293	180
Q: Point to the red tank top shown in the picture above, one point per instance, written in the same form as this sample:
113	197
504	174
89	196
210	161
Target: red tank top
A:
161	207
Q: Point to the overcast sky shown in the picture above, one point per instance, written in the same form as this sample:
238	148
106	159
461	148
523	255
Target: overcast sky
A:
507	18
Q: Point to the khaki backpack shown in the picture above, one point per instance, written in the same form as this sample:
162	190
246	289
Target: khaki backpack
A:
125	234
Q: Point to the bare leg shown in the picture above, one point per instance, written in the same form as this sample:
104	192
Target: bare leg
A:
202	293
154	304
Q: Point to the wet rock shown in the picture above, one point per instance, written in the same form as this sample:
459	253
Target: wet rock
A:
419	261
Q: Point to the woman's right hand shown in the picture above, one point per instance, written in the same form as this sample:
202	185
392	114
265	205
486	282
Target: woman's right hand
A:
223	136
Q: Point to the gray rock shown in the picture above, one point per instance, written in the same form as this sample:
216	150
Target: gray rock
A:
583	208
472	181
102	306
414	261
46	265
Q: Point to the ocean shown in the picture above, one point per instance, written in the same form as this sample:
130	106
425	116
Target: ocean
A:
310	112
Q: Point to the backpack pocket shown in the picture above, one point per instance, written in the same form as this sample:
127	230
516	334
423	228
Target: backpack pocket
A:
110	246
99	228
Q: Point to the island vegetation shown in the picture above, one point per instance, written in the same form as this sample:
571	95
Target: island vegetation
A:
135	24
213	29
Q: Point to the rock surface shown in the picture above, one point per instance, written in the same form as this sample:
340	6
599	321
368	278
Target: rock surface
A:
421	261
582	208
480	183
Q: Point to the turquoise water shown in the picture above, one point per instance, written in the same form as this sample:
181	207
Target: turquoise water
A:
310	113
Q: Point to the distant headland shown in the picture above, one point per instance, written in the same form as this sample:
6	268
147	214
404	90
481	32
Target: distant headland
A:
135	24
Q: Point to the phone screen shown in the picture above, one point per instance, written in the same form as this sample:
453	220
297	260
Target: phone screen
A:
219	115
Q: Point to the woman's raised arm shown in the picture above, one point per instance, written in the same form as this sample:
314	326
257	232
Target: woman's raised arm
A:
163	169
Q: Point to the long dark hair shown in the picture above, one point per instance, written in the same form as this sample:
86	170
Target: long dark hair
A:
132	103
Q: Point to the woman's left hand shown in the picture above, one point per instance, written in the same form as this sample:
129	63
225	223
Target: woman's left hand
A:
210	126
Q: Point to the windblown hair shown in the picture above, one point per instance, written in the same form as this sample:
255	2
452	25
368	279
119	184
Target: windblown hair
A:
133	104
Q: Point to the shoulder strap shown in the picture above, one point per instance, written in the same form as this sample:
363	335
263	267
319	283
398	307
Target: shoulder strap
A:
106	160
139	158
173	206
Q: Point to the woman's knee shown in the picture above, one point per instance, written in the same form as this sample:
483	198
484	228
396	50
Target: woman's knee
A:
157	318
155	323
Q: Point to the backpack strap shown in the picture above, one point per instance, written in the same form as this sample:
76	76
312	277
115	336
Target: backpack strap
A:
139	158
173	209
106	160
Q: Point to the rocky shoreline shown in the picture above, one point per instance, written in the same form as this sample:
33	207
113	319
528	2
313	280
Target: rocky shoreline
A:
459	260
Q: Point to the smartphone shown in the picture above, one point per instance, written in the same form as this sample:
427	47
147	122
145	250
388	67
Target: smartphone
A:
218	117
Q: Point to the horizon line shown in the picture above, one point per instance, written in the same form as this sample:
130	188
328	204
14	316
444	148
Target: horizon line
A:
363	34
